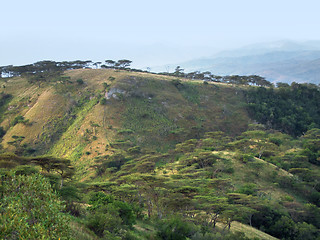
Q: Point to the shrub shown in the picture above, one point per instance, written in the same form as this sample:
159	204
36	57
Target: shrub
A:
2	132
18	119
249	189
105	85
125	212
103	101
134	150
103	223
174	229
29	209
80	81
177	83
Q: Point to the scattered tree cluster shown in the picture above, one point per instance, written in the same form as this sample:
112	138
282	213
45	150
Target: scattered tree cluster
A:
49	68
120	64
42	67
208	184
253	80
197	183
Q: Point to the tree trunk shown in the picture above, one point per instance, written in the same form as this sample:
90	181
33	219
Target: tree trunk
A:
61	183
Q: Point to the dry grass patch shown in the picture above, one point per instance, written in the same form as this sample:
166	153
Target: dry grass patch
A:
249	231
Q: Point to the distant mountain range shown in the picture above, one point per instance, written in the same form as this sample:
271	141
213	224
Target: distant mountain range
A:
283	61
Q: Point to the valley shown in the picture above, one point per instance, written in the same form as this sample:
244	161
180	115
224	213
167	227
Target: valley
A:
139	155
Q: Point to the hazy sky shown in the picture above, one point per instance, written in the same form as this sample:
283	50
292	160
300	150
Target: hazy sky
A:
147	32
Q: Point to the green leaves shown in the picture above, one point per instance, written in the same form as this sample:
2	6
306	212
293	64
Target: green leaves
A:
290	109
29	209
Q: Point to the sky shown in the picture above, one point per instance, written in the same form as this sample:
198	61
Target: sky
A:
149	33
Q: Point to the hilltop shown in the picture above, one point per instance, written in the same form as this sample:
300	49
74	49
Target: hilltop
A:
136	155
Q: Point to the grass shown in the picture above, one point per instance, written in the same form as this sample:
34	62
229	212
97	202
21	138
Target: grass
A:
80	232
48	109
250	232
156	109
71	145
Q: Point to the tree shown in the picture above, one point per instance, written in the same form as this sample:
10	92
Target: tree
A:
245	206
258	142
214	207
259	81
97	64
124	63
284	228
110	63
311	144
178	72
108	214
2	132
151	189
59	165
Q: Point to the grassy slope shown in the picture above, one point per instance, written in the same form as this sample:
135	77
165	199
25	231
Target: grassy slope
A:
157	112
50	107
249	231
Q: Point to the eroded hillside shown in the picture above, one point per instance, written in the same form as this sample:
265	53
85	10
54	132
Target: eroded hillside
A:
91	112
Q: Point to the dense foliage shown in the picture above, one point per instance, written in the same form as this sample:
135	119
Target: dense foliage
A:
29	209
292	109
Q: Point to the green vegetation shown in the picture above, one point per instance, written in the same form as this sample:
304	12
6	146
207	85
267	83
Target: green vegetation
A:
292	109
161	156
29	209
20	119
210	187
4	100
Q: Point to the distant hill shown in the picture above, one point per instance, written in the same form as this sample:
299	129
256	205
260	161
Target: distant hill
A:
278	62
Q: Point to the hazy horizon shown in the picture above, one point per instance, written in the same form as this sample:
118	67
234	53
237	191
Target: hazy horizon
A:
148	34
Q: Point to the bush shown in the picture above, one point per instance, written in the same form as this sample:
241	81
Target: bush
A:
103	101
134	150
103	223
125	212
245	158
17	119
29	209
108	216
2	132
80	81
177	83
249	189
105	85
174	229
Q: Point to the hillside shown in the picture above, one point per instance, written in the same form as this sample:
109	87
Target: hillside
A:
149	110
163	157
